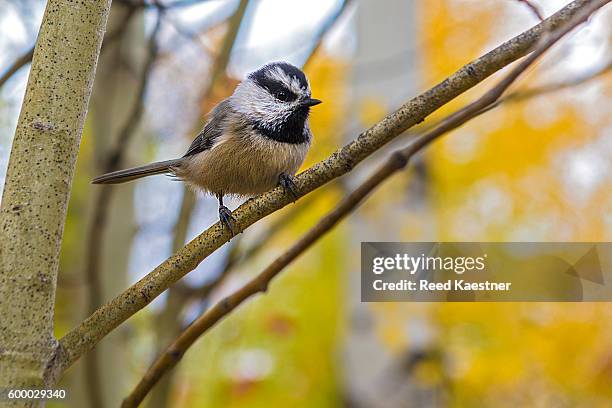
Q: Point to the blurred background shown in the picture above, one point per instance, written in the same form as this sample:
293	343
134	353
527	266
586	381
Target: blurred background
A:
537	168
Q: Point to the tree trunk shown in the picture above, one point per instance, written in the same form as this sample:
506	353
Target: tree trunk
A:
397	41
37	188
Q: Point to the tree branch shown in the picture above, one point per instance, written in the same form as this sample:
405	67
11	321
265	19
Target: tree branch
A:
108	317
396	162
26	57
324	29
238	255
19	63
533	92
159	5
533	8
520	96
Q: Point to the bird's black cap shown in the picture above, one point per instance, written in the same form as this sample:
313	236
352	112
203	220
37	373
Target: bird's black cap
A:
262	79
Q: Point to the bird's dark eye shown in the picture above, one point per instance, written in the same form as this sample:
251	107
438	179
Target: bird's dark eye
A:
282	96
280	92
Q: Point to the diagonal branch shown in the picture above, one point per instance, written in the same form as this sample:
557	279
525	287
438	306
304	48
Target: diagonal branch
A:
19	63
529	93
26	57
325	28
520	96
533	8
239	256
111	315
160	6
396	162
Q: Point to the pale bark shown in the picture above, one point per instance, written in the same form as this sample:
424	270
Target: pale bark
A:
37	187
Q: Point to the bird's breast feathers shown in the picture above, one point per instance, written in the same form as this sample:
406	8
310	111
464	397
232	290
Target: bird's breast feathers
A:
243	163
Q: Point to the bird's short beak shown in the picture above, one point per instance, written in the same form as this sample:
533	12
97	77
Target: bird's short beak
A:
311	102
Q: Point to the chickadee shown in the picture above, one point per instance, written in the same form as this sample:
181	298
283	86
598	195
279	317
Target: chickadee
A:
253	141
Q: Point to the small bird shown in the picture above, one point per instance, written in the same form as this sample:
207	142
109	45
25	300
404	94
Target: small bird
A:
253	141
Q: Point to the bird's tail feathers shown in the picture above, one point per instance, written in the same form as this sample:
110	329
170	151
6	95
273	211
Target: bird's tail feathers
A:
122	176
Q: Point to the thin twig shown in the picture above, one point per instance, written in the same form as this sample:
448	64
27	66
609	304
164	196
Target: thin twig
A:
159	5
108	317
534	9
26	57
19	63
192	36
396	162
520	96
325	28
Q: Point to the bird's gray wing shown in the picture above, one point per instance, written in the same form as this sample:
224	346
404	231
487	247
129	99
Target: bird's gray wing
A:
213	129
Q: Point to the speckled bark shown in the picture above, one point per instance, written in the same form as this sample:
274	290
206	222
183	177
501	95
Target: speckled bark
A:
341	162
37	188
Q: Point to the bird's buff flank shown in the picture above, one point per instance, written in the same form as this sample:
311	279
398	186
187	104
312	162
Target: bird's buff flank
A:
253	141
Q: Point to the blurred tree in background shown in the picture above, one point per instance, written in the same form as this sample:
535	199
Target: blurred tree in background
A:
530	170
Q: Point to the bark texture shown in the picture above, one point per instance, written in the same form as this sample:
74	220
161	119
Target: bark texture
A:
37	188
